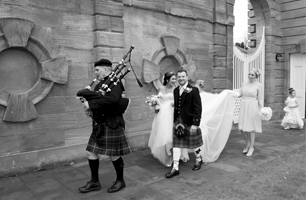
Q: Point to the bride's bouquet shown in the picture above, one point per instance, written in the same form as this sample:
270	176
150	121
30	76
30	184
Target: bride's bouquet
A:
153	102
265	113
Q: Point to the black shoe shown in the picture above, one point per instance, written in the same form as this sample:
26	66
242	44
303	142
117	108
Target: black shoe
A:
197	165
172	173
90	186
118	185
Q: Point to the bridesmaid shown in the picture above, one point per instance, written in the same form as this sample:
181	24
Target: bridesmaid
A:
249	122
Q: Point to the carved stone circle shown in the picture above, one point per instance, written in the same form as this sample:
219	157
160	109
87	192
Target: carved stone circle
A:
151	68
25	35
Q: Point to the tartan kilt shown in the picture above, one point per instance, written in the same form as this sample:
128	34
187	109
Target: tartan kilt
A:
189	141
108	141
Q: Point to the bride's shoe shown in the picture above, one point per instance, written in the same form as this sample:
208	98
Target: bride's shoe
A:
250	152
245	150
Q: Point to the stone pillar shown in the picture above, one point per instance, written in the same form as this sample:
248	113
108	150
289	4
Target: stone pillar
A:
108	41
223	45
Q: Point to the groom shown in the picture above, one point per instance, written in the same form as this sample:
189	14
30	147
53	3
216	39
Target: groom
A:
187	115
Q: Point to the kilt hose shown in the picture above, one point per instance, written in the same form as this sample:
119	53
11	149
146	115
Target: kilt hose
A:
189	141
108	141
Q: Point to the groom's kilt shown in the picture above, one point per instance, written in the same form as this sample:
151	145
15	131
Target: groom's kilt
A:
108	141
189	141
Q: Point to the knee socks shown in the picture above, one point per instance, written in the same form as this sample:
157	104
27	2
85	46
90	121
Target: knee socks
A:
197	154
119	167
94	168
176	157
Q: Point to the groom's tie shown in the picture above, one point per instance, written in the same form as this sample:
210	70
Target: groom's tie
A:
181	90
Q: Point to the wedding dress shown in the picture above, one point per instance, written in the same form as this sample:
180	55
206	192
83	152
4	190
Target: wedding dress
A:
292	118
160	141
216	122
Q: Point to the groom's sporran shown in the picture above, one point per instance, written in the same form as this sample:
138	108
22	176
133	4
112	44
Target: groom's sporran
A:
180	129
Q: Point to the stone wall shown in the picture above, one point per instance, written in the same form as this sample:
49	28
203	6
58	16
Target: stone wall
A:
87	30
61	122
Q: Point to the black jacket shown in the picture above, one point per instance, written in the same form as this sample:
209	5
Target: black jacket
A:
188	106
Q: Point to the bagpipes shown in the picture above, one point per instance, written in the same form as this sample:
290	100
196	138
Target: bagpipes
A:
113	79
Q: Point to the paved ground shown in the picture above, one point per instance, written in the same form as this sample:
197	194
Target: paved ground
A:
145	176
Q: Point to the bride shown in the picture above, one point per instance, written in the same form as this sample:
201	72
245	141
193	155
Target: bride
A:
216	122
160	141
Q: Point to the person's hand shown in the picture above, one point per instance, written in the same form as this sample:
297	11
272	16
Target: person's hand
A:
193	130
88	113
86	105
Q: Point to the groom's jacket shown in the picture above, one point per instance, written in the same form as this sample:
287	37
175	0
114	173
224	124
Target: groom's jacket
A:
188	105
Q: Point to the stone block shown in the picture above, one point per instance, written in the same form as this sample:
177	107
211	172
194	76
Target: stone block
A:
279	106
279	99
220	39
198	54
220	72
109	8
113	54
229	9
219	61
155	5
229	64
107	23
279	82
190	9
221	18
278	90
220	6
220	29
219	83
231	20
78	55
102	23
220	50
232	2
108	39
78	39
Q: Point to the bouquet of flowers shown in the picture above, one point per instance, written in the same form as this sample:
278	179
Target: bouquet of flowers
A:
265	113
153	101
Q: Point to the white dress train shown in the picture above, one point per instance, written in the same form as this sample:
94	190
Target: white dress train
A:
216	122
160	141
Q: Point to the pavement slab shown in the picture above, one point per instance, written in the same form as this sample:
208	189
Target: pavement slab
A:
145	176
